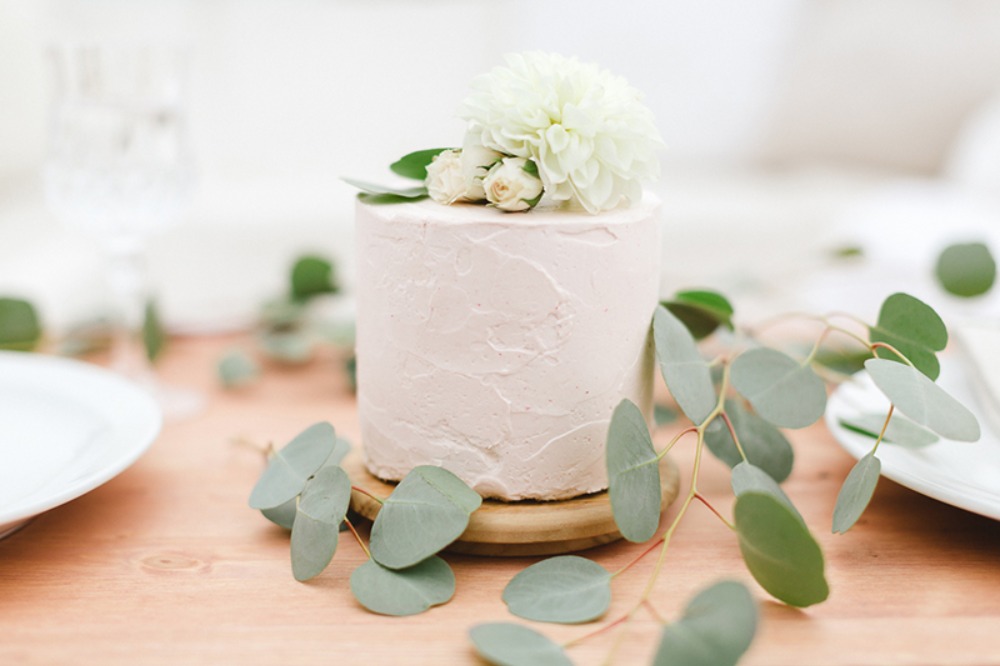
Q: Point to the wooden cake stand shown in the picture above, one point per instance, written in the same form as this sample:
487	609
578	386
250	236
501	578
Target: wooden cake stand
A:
514	529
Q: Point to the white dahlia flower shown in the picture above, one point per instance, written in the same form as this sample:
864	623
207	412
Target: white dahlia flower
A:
593	139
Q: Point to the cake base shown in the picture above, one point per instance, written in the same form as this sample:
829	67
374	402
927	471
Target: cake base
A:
516	529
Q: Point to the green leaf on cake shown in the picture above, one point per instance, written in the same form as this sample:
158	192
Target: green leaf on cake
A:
507	644
322	507
717	627
567	589
406	591
966	269
778	549
763	444
685	372
701	311
912	327
922	400
781	390
410	193
312	276
414	165
856	493
20	329
288	469
428	510
901	431
633	474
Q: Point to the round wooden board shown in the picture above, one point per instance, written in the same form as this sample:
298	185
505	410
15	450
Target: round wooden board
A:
514	529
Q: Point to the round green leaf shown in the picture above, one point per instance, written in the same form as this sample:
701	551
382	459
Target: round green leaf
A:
154	336
684	371
857	491
781	390
566	589
923	401
418	192
966	269
912	327
312	276
414	165
717	628
428	510
701	311
763	444
236	369
286	473
282	515
901	431
506	644
322	507
663	415
403	591
779	551
20	329
293	347
633	474
748	478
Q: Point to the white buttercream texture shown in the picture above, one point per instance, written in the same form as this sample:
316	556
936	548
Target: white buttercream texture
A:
497	346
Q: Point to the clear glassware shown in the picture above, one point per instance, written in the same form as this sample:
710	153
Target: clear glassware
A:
120	168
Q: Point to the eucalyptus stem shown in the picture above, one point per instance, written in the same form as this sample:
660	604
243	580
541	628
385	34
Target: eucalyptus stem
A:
885	426
361	542
888	347
676	438
634	561
367	493
732	433
701	498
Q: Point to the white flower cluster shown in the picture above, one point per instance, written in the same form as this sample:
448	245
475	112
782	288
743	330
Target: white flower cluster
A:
587	131
475	173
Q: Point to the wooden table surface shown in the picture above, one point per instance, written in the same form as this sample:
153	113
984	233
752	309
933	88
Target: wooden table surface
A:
167	564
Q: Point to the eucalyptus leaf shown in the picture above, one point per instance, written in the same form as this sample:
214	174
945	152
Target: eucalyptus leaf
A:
748	478
312	276
282	515
322	507
856	493
236	369
633	474
414	165
292	347
387	199
404	591
286	473
966	269
901	431
506	644
912	327
567	589
341	447
779	551
701	311
154	337
418	192
428	510
782	391
684	370
662	415
922	400
717	628
763	444
20	329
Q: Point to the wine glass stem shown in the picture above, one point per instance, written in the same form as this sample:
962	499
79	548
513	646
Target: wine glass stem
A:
126	263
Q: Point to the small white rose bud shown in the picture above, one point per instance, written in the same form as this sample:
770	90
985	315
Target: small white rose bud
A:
513	185
477	160
445	182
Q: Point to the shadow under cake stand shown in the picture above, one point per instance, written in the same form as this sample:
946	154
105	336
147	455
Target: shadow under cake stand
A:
514	529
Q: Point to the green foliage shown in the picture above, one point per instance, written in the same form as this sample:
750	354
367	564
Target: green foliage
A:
567	589
293	347
923	401
322	507
312	276
414	165
717	627
856	492
966	269
748	478
912	327
506	644
405	591
20	329
684	371
663	415
763	444
778	549
289	469
154	336
633	474
408	193
282	515
901	430
428	510
236	369
701	311
782	391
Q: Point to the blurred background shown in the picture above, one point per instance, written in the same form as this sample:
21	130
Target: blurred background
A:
794	130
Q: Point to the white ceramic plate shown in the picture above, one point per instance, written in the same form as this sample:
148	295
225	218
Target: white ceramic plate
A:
66	427
963	474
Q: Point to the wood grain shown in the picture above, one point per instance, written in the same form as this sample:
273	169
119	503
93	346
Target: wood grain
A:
165	564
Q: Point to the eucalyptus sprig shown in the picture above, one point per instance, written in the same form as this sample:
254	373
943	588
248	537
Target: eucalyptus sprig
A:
737	405
304	489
